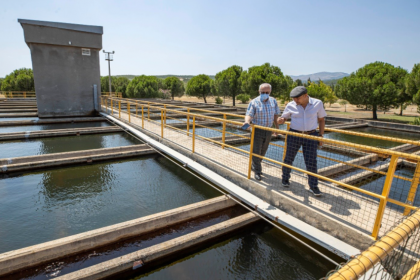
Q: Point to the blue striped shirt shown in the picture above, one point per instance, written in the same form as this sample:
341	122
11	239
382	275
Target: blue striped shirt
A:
262	113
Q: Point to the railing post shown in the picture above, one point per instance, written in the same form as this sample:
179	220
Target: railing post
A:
224	131
112	108
136	111
106	103
164	118
413	189
24	94
385	192
193	136
142	116
11	94
128	110
119	109
161	122
148	111
250	151
285	142
188	122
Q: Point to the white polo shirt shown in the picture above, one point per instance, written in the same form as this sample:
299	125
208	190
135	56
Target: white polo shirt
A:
304	119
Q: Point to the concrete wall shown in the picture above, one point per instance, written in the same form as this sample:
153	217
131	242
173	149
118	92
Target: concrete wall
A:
64	78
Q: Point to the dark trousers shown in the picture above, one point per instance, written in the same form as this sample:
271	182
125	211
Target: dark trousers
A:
309	148
261	141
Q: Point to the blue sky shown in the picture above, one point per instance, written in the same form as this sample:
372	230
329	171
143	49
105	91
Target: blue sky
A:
196	37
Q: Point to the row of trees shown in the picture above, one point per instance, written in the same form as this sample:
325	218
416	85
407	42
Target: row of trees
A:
19	80
381	86
377	86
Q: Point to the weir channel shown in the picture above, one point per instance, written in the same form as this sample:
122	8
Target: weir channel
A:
51	206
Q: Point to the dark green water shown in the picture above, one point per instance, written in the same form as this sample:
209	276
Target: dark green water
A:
5	129
43	206
399	188
276	153
373	142
41	146
263	253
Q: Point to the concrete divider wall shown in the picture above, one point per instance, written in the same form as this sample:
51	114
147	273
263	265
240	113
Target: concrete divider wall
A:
34	255
137	259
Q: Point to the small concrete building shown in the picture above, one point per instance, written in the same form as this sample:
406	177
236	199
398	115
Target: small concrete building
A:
65	62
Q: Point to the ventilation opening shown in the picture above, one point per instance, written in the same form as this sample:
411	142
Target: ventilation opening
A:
86	52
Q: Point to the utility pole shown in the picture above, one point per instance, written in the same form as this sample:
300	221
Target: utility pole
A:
110	57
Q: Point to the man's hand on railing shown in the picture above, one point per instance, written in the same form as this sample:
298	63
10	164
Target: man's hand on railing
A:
281	120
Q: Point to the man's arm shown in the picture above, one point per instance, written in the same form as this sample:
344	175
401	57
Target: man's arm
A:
321	123
249	113
275	121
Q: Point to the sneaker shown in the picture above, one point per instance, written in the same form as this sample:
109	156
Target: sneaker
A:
315	191
285	184
257	176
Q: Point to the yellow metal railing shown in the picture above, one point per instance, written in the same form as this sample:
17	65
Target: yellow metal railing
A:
112	94
164	112
379	251
17	94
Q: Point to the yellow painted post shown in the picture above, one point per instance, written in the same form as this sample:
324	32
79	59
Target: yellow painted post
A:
385	192
161	122
224	131
24	94
188	122
193	136
11	94
136	111
148	111
112	108
250	151
142	116
128	110
413	188
106	104
285	142
119	109
164	118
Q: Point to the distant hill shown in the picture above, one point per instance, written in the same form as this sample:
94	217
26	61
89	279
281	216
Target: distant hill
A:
324	76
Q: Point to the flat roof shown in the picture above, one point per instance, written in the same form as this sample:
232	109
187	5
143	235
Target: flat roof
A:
63	25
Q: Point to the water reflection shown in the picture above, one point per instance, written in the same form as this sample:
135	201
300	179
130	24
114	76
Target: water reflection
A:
5	129
41	146
263	253
42	206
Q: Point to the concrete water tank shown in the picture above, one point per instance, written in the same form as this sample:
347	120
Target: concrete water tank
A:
65	62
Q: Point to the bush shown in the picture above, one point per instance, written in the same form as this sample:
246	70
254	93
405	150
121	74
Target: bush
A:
416	121
244	98
219	100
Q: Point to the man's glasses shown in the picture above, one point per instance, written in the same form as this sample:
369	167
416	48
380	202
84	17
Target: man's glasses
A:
264	92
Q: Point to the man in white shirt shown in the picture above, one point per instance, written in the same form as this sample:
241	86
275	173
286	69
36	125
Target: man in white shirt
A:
306	115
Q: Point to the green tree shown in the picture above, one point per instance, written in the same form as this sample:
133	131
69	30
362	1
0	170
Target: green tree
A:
200	86
143	87
228	82
19	80
252	78
298	82
1	81
322	92
376	84
413	85
344	103
175	86
118	84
